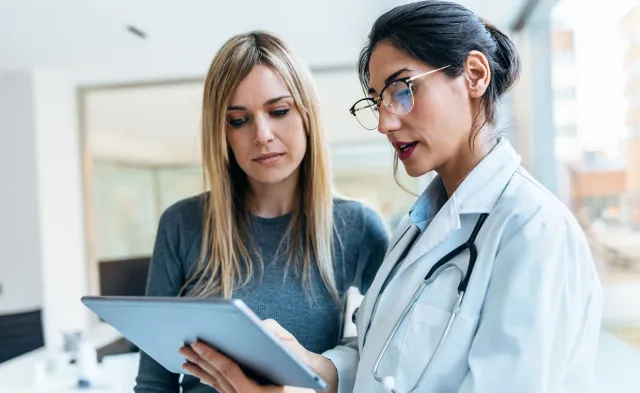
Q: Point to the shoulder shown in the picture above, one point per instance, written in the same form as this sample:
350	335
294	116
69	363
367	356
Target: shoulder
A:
542	235
535	215
356	214
360	226
186	213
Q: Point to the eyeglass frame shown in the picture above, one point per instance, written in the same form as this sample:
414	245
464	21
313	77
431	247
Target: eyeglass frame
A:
377	100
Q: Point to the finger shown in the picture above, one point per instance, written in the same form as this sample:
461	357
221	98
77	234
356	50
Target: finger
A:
228	372
203	376
209	369
211	376
277	329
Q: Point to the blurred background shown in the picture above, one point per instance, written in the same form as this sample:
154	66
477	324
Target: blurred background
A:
100	112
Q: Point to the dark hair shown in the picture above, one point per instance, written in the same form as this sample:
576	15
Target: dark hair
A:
441	33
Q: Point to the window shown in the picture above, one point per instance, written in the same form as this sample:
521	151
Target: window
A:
566	93
567	130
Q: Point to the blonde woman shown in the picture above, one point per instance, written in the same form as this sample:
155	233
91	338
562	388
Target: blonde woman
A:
269	231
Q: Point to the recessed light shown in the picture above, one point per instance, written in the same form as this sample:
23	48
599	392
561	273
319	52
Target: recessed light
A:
137	32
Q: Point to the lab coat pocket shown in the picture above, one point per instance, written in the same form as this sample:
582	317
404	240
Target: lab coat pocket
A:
425	328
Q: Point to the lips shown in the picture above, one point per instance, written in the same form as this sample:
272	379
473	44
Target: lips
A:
405	149
268	157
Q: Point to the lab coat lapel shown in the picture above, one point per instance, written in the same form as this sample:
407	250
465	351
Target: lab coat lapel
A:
405	233
477	194
403	227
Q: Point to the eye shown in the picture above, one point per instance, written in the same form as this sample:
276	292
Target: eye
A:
239	122
280	112
403	94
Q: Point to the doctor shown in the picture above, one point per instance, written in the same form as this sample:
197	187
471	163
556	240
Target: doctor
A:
489	284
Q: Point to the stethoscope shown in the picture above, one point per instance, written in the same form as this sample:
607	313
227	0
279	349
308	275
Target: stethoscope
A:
442	265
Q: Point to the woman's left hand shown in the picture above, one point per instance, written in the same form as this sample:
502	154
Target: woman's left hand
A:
221	373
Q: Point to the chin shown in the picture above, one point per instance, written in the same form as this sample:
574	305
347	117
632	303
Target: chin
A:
415	170
271	177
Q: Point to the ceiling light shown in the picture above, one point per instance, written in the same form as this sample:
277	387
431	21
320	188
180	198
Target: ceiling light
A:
137	32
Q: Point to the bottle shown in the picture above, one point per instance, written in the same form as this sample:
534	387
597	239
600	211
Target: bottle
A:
87	364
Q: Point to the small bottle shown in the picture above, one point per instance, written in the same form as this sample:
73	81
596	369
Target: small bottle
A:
87	364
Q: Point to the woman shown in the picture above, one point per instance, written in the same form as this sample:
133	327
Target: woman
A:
530	319
269	232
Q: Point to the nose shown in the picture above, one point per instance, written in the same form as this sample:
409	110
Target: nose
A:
387	121
264	131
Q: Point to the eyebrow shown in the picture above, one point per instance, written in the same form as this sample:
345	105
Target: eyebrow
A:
391	78
268	102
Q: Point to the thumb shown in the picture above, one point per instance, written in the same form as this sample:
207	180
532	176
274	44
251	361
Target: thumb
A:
280	332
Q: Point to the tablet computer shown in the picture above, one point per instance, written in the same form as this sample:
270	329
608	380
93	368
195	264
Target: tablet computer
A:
160	326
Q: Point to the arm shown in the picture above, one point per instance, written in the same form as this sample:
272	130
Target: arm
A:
534	313
338	366
374	244
165	279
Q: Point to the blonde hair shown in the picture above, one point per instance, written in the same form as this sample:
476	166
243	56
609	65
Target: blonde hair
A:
225	262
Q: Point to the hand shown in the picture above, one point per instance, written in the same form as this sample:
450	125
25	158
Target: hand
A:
290	341
221	373
320	364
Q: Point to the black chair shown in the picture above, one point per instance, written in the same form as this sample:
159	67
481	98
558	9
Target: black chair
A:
20	333
122	277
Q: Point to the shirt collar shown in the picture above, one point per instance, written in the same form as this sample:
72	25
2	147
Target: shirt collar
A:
477	193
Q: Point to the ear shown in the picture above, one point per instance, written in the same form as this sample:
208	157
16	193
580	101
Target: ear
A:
477	72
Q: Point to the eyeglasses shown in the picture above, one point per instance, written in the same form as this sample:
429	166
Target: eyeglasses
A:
399	101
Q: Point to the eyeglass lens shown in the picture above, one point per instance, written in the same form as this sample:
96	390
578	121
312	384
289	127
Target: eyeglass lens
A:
397	97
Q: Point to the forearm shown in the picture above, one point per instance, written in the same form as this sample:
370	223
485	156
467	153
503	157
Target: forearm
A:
327	371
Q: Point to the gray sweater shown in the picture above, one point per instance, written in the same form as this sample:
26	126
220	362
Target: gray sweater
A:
310	315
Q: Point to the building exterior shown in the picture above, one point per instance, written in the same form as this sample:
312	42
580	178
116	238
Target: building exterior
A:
630	30
568	147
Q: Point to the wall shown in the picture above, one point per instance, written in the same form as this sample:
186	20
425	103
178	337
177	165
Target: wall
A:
41	227
61	204
127	201
20	276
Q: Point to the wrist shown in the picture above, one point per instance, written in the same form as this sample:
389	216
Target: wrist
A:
316	361
325	368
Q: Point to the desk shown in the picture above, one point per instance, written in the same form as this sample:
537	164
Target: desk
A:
116	374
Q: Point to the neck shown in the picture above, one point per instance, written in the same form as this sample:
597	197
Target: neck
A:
456	170
270	200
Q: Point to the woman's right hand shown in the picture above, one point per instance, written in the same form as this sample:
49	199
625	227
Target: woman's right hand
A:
320	364
290	341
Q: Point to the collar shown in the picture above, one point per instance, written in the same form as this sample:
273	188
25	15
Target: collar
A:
428	204
477	193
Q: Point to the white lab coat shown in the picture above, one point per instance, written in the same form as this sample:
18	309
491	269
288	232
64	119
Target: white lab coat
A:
531	316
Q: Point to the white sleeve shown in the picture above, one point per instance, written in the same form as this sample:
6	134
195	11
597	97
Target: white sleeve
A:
345	358
541	300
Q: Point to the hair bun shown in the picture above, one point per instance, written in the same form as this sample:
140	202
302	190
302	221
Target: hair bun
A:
507	69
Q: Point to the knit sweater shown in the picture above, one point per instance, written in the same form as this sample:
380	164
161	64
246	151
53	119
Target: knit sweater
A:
274	291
